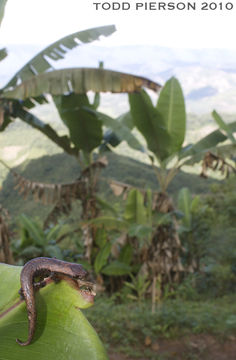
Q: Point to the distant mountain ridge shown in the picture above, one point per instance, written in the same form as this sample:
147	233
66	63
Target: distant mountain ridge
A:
208	76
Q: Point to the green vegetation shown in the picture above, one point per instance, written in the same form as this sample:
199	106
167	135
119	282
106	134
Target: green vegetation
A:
129	324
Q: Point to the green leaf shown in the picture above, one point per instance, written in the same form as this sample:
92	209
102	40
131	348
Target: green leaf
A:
109	223
121	130
32	120
184	204
6	121
79	81
222	125
126	254
171	106
34	230
135	211
61	329
140	231
30	252
101	237
105	205
150	123
116	268
85	129
101	258
207	143
53	251
57	51
53	233
195	204
3	54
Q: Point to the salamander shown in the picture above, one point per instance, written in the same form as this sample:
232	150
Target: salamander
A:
42	268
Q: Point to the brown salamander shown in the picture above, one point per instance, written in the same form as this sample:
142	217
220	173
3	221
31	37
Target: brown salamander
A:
43	267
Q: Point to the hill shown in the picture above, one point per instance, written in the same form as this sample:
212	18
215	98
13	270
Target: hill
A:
63	168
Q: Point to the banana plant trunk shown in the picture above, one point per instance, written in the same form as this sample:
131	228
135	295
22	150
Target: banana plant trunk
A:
164	254
5	251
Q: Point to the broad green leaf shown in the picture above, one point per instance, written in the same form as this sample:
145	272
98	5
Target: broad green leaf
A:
57	51
85	129
195	204
101	237
79	81
184	204
111	138
150	123
62	331
126	254
171	106
140	230
2	9
116	268
102	257
222	125
122	131
105	205
135	211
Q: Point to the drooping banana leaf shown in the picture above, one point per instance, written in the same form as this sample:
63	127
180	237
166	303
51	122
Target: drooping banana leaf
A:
224	151
62	331
57	51
207	143
79	81
222	125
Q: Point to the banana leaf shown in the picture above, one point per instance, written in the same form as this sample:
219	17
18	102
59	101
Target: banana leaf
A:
62	330
79	81
57	51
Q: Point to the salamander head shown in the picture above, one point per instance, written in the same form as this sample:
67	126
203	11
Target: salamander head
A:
78	271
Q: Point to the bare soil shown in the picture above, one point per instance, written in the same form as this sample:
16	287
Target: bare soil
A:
194	347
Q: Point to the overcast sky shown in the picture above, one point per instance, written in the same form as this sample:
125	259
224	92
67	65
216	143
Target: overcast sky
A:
44	21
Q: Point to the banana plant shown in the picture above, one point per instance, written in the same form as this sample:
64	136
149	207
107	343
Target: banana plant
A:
192	229
115	257
163	127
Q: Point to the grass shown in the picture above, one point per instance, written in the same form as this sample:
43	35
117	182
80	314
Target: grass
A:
126	326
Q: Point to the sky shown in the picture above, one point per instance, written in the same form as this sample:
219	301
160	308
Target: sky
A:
45	21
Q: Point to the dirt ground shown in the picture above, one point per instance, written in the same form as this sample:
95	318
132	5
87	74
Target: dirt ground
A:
194	347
